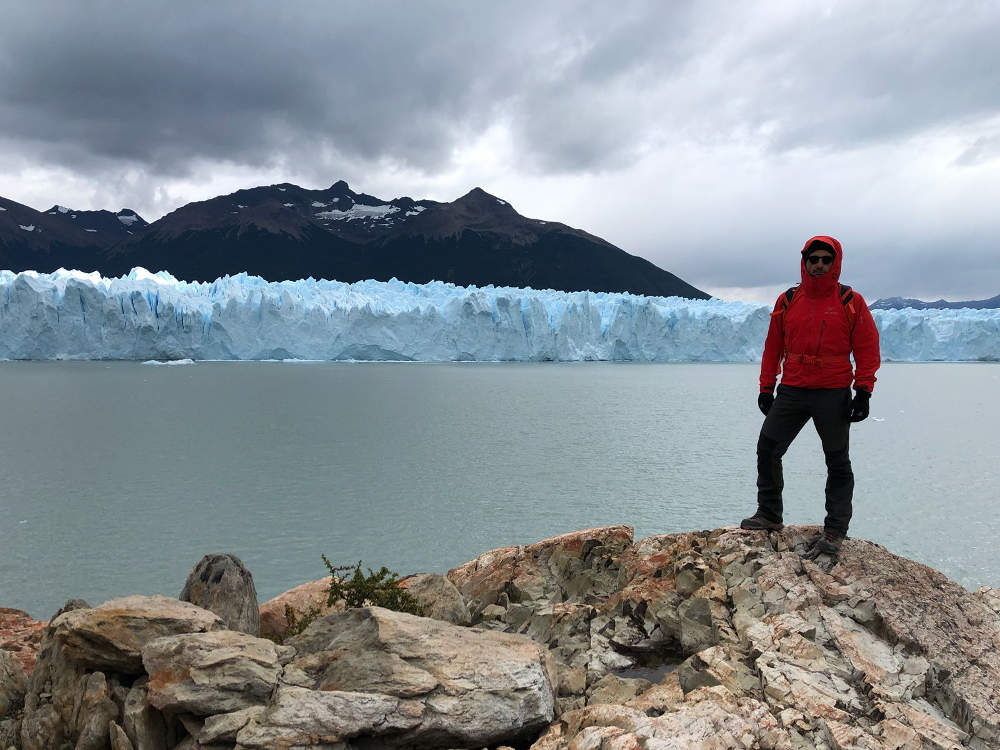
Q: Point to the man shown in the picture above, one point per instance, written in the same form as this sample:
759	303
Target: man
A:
815	327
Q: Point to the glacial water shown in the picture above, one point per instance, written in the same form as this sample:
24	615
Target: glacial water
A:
116	477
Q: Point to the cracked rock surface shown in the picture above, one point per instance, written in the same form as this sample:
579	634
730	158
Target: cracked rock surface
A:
746	644
591	640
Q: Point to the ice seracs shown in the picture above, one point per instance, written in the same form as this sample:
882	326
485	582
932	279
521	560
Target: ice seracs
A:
153	316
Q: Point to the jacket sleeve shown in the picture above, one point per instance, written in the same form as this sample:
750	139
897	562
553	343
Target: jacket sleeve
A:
774	350
864	344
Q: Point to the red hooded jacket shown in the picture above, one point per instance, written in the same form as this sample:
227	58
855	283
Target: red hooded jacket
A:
813	334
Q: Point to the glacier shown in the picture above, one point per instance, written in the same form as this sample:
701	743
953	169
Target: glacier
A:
154	316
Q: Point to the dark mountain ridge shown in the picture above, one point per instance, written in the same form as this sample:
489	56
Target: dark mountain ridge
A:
289	232
901	303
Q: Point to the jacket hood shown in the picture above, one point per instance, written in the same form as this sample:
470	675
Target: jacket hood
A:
828	282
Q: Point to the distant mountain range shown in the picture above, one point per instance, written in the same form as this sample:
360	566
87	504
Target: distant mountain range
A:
899	303
288	232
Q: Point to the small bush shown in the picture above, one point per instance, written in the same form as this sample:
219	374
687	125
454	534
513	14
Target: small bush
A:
378	588
297	624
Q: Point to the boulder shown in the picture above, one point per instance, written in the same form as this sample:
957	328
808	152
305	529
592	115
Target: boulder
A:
223	585
409	681
87	657
210	673
438	596
112	635
13	684
309	596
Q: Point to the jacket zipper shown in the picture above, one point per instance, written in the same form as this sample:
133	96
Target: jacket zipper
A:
819	344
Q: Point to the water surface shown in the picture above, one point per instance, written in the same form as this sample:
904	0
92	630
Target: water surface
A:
116	477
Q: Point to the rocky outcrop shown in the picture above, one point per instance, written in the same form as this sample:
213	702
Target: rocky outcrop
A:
762	648
223	585
714	640
20	636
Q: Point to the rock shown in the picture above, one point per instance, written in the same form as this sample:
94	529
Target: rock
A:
311	596
13	684
614	689
119	740
143	724
85	655
438	596
493	612
224	727
20	635
299	717
69	606
112	635
573	566
410	681
708	719
210	673
222	584
989	597
97	711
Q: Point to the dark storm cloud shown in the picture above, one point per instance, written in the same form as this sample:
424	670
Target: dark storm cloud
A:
582	86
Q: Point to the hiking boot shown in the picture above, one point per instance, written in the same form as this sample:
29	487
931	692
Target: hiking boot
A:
827	544
758	522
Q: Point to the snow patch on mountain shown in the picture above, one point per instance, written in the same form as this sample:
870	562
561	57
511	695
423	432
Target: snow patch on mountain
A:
27	227
128	219
358	211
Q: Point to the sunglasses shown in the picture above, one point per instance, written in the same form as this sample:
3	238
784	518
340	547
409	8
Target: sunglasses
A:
824	259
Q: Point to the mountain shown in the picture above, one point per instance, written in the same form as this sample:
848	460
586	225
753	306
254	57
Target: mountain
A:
288	232
44	241
899	303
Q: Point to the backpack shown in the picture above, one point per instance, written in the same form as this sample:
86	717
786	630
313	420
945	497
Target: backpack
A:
846	299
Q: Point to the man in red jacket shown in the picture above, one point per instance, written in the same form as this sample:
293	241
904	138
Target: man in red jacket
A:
815	328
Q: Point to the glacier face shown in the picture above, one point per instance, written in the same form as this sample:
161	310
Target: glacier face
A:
144	316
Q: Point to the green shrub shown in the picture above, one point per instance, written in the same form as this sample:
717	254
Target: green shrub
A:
378	588
297	624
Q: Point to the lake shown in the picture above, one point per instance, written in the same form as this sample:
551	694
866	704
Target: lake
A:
116	477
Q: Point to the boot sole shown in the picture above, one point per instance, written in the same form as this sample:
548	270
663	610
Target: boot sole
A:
753	527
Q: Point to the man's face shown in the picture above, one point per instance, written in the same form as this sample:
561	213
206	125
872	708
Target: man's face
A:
818	262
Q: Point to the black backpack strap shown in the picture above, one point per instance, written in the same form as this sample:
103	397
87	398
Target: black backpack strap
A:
846	294
790	295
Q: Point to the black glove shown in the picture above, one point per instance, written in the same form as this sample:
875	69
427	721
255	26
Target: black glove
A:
764	402
859	407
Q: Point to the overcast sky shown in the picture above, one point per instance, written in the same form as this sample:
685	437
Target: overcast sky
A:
712	138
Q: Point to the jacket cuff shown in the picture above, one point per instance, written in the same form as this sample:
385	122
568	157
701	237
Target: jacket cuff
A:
767	388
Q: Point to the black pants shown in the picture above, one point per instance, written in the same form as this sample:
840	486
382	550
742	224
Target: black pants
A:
830	410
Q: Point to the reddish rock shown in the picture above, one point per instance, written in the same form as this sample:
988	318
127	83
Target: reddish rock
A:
21	636
311	595
577	565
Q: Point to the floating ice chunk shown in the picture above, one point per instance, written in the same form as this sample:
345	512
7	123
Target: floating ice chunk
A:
185	361
318	204
288	205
